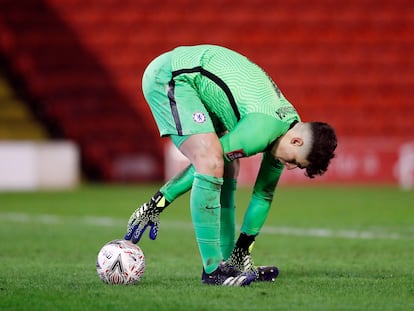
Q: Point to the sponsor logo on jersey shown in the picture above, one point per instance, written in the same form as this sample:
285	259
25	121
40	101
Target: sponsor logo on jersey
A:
282	112
236	154
199	117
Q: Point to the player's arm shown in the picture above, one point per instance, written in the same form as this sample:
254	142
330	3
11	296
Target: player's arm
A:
253	134
262	197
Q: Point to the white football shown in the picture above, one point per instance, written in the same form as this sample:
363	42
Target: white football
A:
120	262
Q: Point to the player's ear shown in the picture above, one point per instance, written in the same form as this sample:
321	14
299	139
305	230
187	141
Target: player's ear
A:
297	141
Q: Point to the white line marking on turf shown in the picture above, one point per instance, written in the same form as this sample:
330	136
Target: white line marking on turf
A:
330	233
47	219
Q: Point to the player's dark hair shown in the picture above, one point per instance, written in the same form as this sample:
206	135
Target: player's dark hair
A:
323	147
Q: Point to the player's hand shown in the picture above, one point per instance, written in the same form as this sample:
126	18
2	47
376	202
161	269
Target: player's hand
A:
145	216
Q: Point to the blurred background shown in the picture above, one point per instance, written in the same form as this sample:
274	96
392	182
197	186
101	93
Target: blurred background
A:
71	106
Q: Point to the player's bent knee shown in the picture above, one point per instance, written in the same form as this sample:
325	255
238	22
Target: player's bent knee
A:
205	152
210	164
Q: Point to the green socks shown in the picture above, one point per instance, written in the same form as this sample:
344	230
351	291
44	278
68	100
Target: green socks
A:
205	213
227	220
206	190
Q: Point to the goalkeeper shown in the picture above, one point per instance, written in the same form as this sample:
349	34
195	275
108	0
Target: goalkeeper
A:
217	106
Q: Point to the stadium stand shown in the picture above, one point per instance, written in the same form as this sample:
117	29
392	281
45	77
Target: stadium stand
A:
16	120
77	94
348	62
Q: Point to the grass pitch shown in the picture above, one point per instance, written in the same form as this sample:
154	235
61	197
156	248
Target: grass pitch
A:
338	248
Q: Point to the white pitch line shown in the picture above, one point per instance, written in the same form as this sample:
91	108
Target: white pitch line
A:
47	219
330	233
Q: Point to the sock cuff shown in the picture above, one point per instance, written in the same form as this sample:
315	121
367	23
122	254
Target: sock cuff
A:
207	181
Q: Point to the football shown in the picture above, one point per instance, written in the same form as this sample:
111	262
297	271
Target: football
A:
120	262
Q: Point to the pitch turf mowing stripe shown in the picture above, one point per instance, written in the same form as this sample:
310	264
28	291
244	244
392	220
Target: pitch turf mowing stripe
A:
377	233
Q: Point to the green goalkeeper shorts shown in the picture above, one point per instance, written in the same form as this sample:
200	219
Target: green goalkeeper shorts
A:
175	105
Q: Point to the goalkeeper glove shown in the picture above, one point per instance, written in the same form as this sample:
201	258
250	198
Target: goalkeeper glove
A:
147	215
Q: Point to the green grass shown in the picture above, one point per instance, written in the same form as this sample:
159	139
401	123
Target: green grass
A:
337	248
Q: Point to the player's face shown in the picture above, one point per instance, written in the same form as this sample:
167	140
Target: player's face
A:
294	162
292	156
291	153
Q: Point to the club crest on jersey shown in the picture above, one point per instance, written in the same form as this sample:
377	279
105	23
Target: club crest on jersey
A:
199	117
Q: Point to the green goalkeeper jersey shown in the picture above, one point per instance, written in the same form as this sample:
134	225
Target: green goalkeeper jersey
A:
236	92
247	104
